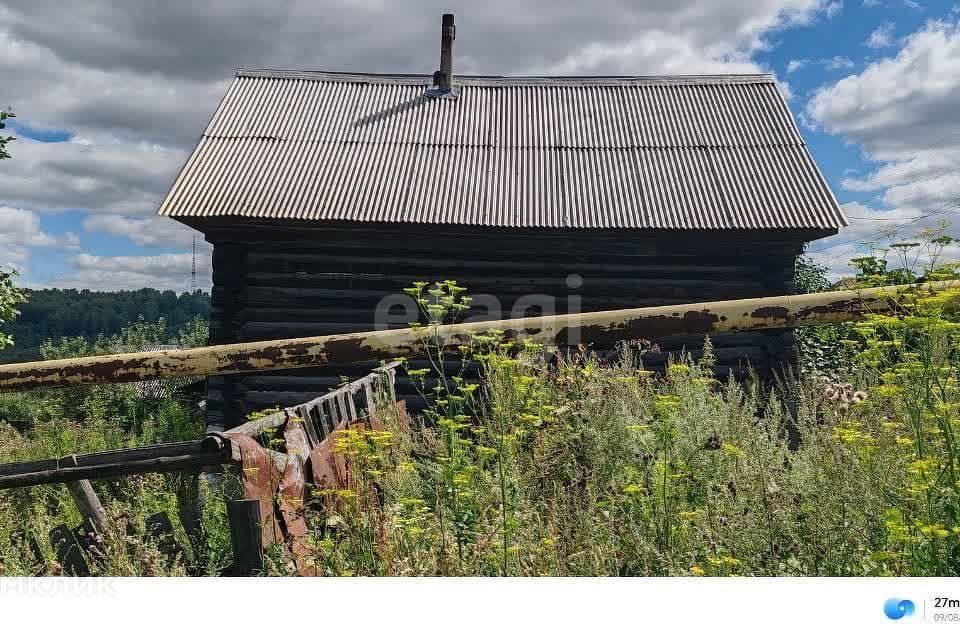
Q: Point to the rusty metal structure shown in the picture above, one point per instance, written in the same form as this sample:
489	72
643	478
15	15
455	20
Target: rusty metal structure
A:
563	330
276	484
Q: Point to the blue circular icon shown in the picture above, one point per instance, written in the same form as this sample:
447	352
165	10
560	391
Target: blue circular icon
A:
895	608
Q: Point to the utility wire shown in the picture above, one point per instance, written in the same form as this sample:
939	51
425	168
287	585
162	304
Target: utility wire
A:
947	205
906	168
916	204
947	209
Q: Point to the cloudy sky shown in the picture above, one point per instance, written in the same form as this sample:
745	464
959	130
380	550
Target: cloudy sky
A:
112	94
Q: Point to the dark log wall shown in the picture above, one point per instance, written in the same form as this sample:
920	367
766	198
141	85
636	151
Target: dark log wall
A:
275	280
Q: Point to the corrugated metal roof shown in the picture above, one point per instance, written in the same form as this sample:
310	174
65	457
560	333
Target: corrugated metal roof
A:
686	152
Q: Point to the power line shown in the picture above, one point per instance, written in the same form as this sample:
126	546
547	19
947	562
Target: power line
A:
909	184
884	232
916	204
907	168
947	209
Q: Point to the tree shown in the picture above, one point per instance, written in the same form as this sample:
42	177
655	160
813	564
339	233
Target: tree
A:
10	298
10	295
8	113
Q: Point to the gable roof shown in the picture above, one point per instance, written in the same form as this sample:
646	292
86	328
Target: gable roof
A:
682	152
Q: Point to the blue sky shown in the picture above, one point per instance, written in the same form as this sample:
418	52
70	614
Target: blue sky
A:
832	49
112	96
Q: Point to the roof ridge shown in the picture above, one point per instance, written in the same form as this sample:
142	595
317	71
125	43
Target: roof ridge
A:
351	141
494	80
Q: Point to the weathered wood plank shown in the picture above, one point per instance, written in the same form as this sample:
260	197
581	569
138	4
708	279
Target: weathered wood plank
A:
246	536
111	464
194	447
89	505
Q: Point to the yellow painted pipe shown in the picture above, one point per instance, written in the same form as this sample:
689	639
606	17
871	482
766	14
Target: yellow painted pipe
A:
600	327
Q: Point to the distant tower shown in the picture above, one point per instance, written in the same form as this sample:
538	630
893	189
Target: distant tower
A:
193	267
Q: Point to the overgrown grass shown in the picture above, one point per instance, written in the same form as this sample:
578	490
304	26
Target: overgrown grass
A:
588	469
57	422
27	516
564	465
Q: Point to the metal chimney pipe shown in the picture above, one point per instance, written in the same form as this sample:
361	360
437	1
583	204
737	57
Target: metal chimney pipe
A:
444	77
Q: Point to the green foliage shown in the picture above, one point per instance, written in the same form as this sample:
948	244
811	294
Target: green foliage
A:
53	313
810	277
195	333
55	422
4	140
818	347
126	548
594	469
11	297
131	407
829	350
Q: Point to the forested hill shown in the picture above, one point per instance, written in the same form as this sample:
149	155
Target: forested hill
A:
53	313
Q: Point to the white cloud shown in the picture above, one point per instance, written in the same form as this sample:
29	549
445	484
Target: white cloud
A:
831	64
902	111
139	70
833	8
146	232
892	4
881	37
20	232
900	106
837	62
106	177
662	51
796	65
24	226
164	271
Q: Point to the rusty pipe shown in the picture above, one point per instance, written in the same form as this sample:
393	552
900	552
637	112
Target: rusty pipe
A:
600	327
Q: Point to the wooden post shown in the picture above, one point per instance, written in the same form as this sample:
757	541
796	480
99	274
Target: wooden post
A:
247	537
87	501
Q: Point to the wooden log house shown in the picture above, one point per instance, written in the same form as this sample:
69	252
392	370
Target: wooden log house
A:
325	194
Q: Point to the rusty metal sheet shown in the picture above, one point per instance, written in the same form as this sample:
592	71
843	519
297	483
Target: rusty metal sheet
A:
261	479
283	493
328	470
